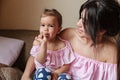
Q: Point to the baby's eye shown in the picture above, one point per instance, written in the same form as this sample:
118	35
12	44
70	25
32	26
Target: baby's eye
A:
51	25
42	25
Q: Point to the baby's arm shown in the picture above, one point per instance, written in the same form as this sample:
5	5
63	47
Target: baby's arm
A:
42	54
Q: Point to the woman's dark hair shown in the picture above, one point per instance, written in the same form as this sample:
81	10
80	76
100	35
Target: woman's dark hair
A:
102	15
118	57
53	12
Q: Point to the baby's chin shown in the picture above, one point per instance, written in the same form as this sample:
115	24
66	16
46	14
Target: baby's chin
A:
50	39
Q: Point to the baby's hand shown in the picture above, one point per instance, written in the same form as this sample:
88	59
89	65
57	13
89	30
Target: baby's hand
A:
36	41
43	41
39	40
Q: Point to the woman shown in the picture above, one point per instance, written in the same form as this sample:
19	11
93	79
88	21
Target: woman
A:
97	51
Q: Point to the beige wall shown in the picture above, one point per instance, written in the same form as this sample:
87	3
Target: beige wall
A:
24	14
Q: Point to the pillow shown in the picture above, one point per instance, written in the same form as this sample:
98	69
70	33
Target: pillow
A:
9	50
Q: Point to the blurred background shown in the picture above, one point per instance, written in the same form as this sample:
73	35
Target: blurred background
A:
25	14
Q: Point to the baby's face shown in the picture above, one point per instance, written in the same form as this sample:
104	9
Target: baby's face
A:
49	27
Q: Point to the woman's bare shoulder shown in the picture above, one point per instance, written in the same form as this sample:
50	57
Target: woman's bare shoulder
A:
67	33
111	46
66	30
111	52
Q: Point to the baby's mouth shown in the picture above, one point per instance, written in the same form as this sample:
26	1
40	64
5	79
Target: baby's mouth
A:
47	36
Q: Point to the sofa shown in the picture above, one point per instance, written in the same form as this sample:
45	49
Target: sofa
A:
15	71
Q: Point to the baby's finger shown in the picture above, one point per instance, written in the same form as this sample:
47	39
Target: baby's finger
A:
45	38
35	37
40	36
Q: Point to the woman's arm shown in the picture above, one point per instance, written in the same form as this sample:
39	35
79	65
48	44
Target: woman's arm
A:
62	69
30	67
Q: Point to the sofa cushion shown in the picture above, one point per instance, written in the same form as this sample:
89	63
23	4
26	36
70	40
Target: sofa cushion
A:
9	73
10	49
3	65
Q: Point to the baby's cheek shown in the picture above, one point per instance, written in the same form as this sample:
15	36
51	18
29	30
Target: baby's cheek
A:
53	32
41	31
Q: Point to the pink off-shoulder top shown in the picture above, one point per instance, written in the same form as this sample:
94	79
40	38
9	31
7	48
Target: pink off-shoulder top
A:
55	59
88	69
82	68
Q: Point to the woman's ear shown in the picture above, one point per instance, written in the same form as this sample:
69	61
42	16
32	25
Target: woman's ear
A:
102	32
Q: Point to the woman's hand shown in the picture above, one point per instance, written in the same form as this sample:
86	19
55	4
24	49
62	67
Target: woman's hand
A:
54	76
